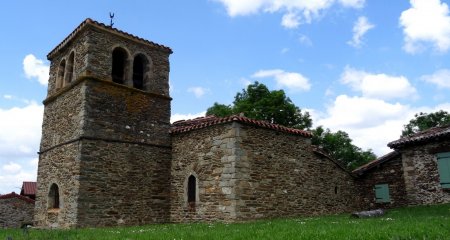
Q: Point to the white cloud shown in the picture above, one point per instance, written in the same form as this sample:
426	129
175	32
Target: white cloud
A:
6	96
427	21
305	40
380	86
178	116
290	20
441	78
21	130
284	50
295	12
198	91
291	80
14	174
19	141
362	25
371	123
36	68
12	168
352	3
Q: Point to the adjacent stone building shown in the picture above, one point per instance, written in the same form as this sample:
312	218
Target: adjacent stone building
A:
109	155
416	172
16	210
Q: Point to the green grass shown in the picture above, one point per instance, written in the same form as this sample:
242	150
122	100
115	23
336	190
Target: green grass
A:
424	222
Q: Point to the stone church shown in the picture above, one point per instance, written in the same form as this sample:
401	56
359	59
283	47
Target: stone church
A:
110	156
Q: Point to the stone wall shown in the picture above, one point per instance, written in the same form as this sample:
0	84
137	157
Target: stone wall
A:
59	158
246	172
421	173
15	211
123	184
206	154
391	173
281	176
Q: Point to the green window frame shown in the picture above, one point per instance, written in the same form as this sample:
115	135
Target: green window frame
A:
382	193
443	162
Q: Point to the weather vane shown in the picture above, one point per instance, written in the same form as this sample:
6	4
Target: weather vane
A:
111	16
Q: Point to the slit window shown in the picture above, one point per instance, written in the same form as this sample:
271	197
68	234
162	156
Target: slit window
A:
53	196
192	189
119	57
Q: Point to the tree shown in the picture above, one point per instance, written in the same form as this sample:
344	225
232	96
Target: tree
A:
258	102
423	121
219	110
340	147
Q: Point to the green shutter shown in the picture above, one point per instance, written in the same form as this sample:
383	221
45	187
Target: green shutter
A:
444	169
382	193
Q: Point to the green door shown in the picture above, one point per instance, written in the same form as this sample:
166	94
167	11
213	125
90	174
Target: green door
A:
382	193
443	160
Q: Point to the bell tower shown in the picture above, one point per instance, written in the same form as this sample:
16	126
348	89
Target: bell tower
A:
105	151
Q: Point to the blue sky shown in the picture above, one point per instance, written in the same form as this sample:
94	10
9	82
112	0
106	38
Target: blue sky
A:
362	66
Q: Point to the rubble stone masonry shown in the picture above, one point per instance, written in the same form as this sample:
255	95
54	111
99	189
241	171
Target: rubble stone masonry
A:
246	172
421	173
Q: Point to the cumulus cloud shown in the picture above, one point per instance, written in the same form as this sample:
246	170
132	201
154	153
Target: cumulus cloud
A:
380	86
426	22
440	78
295	12
360	28
178	116
371	123
19	142
36	68
290	80
198	91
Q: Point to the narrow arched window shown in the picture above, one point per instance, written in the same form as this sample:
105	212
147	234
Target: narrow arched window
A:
60	76
53	196
119	59
69	72
138	71
192	182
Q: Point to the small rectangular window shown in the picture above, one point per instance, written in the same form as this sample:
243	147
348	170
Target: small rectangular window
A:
382	193
443	160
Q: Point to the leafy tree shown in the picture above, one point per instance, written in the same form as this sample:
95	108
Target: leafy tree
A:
423	121
258	102
220	110
339	146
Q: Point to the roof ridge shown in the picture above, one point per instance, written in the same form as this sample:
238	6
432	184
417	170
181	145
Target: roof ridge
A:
15	195
210	120
89	21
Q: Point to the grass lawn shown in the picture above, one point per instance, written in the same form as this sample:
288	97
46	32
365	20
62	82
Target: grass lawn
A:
424	222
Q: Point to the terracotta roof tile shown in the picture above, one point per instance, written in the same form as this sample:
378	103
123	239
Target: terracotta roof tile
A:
422	137
203	122
28	188
90	22
387	157
15	195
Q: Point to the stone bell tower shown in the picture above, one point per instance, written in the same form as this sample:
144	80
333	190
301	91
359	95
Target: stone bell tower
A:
105	151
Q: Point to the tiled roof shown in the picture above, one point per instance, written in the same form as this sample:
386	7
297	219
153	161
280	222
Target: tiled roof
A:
15	195
422	137
362	169
203	122
28	188
90	22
